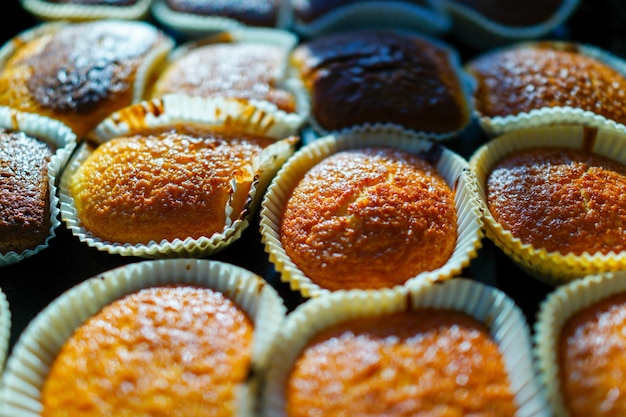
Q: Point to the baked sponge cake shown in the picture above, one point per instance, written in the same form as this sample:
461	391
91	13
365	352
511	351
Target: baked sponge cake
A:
382	77
80	73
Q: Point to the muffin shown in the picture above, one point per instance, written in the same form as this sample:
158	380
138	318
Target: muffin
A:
484	24
580	345
80	73
312	18
82	10
32	153
395	78
175	183
197	18
369	210
547	83
149	337
553	199
249	64
426	351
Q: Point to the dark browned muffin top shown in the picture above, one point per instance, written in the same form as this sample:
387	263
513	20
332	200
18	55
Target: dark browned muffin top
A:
253	12
514	12
560	199
85	64
527	77
96	2
24	207
381	77
309	10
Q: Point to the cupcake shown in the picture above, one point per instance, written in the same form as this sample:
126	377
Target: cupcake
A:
553	199
5	329
248	63
459	348
177	336
312	18
370	210
80	73
484	24
544	83
33	150
176	176
395	78
197	18
579	346
82	10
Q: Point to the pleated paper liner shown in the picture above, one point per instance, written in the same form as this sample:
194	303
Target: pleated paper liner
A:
57	135
493	308
232	115
31	358
551	267
478	31
5	329
451	166
557	114
554	312
49	10
188	25
430	17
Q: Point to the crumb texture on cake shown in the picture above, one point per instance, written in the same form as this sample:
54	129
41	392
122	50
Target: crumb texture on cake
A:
165	183
423	362
24	196
560	199
369	218
238	70
381	76
173	350
524	78
592	369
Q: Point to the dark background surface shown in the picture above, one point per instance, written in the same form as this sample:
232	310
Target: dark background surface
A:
33	283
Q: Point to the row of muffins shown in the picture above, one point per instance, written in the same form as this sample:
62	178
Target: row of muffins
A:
480	24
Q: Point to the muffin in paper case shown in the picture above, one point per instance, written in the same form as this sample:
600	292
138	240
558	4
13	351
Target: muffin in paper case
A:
87	10
503	320
556	311
197	19
311	18
172	117
545	83
32	358
553	266
5	329
62	142
505	22
450	167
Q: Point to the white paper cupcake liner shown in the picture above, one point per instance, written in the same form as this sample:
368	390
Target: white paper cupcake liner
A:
239	115
490	306
554	311
5	329
64	140
430	18
450	165
551	267
46	10
480	32
30	361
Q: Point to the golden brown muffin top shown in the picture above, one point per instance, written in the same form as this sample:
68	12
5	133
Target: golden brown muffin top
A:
165	183
369	218
252	12
24	200
435	362
309	10
157	351
78	74
564	200
591	359
514	12
236	70
524	78
381	77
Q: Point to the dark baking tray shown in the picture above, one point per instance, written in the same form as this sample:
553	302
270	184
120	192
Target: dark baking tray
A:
32	284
